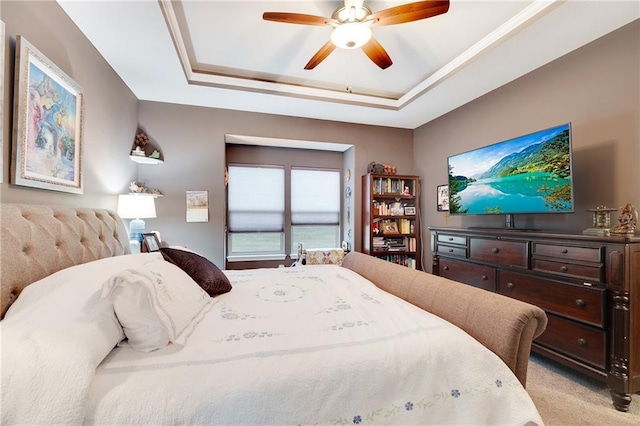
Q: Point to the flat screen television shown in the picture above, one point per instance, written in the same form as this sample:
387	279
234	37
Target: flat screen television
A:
528	174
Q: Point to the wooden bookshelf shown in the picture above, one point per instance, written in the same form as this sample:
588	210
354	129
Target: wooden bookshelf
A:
390	218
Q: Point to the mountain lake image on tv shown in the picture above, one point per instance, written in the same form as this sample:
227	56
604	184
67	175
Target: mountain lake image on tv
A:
528	174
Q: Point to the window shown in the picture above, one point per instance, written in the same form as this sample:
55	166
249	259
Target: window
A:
272	208
315	208
256	210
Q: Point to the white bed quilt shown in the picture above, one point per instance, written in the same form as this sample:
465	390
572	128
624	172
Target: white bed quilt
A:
311	345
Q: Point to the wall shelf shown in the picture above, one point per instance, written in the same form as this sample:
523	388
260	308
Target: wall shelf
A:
145	160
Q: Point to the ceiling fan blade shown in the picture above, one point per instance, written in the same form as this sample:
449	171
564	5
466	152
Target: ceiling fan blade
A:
409	12
320	55
374	50
295	18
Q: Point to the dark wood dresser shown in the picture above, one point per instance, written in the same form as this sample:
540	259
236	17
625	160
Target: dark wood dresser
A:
589	286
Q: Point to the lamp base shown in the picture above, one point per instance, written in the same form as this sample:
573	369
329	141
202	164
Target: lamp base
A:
136	229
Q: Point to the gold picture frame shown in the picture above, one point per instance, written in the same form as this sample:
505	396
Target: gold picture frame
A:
47	125
2	43
390	228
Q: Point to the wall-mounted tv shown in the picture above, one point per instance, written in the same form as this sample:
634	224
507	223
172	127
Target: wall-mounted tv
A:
528	174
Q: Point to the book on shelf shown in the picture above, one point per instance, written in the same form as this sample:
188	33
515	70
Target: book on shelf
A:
389	185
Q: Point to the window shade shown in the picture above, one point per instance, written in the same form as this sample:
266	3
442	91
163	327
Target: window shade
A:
256	199
315	197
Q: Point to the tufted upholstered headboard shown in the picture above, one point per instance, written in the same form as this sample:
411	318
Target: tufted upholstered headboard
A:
38	240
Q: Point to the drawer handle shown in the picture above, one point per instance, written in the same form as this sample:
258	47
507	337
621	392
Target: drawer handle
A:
564	268
484	278
450	238
580	303
495	250
564	251
582	342
510	285
446	268
450	250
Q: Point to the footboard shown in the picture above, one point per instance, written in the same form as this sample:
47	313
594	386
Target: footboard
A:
506	326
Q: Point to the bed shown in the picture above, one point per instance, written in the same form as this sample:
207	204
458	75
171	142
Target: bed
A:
93	334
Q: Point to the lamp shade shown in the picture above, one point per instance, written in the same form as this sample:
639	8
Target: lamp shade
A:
136	206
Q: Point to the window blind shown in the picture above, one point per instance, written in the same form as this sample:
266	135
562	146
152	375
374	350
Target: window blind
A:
315	197
256	199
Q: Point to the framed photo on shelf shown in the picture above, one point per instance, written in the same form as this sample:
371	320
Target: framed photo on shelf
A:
47	124
397	209
390	228
150	242
443	198
409	210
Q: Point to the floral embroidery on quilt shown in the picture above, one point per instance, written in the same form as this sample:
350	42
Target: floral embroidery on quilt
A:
341	277
396	411
231	314
248	335
369	298
349	325
339	305
281	293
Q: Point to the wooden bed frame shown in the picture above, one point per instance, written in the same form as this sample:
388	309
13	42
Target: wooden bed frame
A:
38	240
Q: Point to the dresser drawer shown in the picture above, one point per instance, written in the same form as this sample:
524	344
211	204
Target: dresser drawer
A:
589	272
476	275
588	254
579	341
452	251
513	253
452	239
580	303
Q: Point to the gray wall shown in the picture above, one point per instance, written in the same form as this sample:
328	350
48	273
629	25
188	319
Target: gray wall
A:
110	113
596	88
192	140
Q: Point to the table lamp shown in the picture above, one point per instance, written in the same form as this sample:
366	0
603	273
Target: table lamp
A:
136	207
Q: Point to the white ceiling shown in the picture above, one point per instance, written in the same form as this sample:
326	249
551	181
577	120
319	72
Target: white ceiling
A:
222	54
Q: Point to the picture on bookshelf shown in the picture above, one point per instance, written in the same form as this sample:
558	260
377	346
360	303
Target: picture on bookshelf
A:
409	210
397	209
443	198
390	228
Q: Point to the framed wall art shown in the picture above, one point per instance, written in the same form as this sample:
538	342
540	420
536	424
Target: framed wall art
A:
197	206
443	198
2	43
47	125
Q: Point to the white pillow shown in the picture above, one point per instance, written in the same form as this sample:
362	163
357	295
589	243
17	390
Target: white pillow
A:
74	280
156	303
53	337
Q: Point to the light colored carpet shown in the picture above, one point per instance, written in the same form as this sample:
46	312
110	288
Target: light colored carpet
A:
564	397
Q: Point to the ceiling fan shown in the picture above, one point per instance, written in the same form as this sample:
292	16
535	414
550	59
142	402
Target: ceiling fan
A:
352	26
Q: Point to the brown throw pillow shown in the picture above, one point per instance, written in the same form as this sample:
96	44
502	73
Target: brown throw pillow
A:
201	270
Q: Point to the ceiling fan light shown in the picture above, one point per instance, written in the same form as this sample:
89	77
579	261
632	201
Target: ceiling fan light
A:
351	35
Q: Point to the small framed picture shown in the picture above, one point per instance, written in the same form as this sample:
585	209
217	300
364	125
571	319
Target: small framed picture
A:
443	198
390	228
397	209
150	242
409	210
